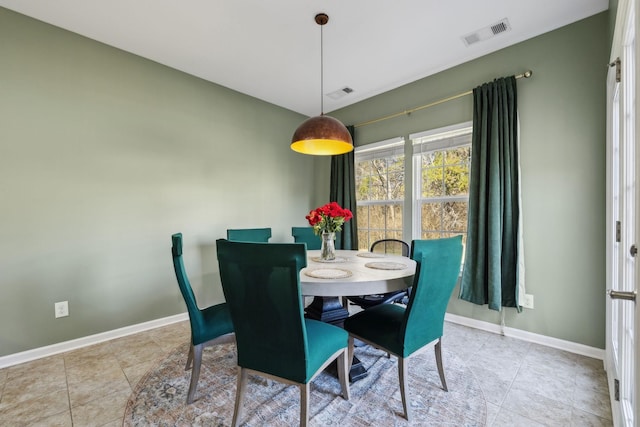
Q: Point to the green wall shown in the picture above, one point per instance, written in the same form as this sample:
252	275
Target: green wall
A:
613	12
103	156
562	118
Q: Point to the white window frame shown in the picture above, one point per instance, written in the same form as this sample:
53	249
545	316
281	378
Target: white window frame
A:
380	150
433	140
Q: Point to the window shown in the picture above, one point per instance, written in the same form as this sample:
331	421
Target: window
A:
442	165
380	187
440	186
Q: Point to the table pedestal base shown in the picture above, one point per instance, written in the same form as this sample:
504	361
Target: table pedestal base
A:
327	309
331	310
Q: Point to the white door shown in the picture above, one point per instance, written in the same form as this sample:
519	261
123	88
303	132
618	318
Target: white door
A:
623	202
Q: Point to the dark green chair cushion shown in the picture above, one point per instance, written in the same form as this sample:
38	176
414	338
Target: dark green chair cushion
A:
216	321
380	324
323	340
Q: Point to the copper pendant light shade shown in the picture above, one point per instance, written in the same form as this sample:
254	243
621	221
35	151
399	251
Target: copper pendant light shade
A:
322	135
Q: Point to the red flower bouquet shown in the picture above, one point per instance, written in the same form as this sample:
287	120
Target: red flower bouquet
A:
328	218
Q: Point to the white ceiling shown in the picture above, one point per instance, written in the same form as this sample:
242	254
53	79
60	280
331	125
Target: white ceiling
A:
271	49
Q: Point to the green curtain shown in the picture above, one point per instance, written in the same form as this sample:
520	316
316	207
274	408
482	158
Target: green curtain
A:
491	267
343	191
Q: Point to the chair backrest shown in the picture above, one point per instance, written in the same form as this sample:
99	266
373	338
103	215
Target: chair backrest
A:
261	285
306	235
195	315
249	234
390	246
438	267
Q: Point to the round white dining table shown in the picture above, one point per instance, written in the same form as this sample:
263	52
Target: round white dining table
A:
355	273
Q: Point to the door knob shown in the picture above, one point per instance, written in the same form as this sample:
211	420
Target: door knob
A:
631	295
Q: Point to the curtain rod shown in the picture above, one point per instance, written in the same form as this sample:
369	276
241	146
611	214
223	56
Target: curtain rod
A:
526	75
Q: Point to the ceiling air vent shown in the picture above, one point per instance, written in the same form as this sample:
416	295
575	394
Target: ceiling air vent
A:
340	93
500	27
487	32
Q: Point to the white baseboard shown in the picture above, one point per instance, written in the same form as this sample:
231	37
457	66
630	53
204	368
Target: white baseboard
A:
569	346
50	350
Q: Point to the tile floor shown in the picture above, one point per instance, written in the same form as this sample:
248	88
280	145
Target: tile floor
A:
528	384
524	384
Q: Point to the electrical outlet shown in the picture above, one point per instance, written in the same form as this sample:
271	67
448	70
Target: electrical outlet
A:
61	309
528	301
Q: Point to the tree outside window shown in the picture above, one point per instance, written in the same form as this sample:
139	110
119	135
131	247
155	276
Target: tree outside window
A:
380	187
442	164
440	200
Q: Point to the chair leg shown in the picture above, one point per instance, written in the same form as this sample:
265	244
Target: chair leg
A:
438	350
196	352
241	385
343	373
304	404
189	358
350	353
403	386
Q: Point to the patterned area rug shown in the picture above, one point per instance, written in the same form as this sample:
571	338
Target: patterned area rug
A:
160	396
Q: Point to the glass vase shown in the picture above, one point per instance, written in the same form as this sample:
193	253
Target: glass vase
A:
328	248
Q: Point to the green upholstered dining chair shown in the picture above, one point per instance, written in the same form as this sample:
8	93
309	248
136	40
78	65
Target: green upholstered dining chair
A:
384	246
249	234
209	326
261	283
402	331
306	235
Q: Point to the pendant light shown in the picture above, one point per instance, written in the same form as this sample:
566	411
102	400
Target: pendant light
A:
321	135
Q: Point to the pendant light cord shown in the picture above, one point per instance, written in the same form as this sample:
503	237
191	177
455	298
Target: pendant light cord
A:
321	72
